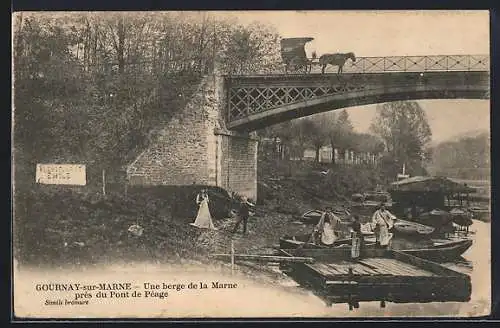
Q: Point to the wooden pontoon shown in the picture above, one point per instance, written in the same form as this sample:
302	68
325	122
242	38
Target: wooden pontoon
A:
381	275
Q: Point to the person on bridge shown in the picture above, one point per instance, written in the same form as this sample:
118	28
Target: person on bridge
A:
325	229
204	218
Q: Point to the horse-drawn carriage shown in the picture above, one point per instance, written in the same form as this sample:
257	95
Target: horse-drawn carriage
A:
294	54
295	58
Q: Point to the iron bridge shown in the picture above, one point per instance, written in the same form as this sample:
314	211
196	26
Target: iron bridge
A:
253	100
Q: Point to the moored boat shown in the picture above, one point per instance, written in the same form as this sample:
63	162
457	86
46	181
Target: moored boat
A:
461	217
436	218
433	249
481	213
412	228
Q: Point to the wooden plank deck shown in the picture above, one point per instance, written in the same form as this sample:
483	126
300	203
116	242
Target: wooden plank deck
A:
384	275
370	267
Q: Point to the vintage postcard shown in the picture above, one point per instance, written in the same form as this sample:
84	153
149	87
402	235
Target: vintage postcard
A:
251	164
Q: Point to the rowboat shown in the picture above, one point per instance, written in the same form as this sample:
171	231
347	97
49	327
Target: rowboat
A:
439	250
380	275
481	213
313	216
435	218
461	217
412	228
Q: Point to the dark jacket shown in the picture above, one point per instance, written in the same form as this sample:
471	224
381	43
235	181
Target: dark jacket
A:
356	227
244	211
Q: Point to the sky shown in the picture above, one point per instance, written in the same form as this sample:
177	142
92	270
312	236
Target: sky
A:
394	33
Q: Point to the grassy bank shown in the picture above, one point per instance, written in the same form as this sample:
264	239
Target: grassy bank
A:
58	225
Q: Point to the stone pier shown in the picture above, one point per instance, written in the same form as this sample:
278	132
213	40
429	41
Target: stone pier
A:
195	147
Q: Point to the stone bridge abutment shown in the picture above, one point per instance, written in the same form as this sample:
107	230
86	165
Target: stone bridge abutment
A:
195	147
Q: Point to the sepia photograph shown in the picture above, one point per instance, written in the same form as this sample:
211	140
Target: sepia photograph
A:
251	164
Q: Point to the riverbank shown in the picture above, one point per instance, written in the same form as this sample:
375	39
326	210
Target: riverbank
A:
257	292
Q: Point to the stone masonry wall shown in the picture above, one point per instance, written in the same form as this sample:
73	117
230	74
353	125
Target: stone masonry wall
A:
239	164
183	150
195	147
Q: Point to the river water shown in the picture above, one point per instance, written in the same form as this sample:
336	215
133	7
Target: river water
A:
475	262
256	295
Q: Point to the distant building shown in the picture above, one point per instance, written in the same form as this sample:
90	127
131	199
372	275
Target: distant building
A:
346	157
309	154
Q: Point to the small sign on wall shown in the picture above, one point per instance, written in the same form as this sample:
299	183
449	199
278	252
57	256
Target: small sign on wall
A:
61	174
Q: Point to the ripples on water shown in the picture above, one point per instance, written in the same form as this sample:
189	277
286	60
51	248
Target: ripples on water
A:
474	262
461	264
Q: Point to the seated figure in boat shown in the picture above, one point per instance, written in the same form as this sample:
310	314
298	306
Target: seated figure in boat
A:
324	231
382	223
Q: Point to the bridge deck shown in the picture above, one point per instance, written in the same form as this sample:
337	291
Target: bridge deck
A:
439	63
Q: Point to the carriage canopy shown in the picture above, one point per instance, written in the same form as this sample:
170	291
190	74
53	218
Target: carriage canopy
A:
294	48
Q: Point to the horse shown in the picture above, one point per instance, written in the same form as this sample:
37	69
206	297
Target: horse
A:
335	60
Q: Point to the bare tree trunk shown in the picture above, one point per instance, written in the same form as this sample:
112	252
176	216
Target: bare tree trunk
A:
86	47
318	147
333	151
121	46
95	57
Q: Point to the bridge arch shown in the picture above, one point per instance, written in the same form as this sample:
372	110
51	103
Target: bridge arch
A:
258	101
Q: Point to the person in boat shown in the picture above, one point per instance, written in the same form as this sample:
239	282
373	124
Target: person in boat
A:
357	235
382	223
324	232
204	218
356	229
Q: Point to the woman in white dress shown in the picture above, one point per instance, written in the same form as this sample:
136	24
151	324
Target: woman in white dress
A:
203	219
326	228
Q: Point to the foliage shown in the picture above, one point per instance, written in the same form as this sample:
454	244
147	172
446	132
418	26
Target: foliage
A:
465	158
305	186
92	87
323	129
405	131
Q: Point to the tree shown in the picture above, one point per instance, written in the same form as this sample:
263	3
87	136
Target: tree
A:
466	158
341	135
318	133
301	132
90	87
404	128
250	49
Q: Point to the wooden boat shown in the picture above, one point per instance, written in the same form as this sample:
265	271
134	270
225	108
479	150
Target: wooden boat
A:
313	216
439	250
302	241
461	217
435	218
380	275
412	228
481	213
357	198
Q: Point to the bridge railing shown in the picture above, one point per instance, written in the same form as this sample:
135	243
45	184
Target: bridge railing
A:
440	63
417	64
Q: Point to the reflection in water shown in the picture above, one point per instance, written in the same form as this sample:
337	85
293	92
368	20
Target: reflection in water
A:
461	264
475	262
